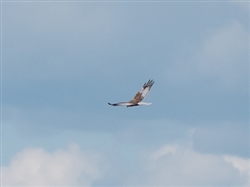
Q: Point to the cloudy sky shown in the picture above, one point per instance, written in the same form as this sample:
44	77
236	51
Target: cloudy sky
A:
63	61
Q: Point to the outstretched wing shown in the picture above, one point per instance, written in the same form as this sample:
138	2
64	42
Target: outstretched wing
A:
143	92
120	104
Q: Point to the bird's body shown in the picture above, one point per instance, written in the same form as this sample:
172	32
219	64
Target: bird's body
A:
137	101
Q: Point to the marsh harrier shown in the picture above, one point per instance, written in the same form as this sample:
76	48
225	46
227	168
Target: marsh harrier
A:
137	101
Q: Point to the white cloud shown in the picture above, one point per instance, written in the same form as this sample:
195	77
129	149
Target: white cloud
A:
36	167
180	165
243	165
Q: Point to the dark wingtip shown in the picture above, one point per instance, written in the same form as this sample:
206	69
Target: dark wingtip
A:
149	83
111	104
152	81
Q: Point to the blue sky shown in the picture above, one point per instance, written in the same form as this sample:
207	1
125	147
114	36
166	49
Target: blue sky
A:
63	61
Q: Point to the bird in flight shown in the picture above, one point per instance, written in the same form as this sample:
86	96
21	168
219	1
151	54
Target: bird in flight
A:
137	101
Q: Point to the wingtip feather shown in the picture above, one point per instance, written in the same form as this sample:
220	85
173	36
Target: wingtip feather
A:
149	83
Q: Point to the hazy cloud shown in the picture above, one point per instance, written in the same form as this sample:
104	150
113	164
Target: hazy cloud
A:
222	59
231	137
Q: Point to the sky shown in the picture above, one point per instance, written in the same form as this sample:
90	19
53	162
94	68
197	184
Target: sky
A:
63	61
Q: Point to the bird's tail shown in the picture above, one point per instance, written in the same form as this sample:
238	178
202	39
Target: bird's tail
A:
143	103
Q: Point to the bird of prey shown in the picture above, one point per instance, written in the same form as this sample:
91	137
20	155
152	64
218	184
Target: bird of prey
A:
137	101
